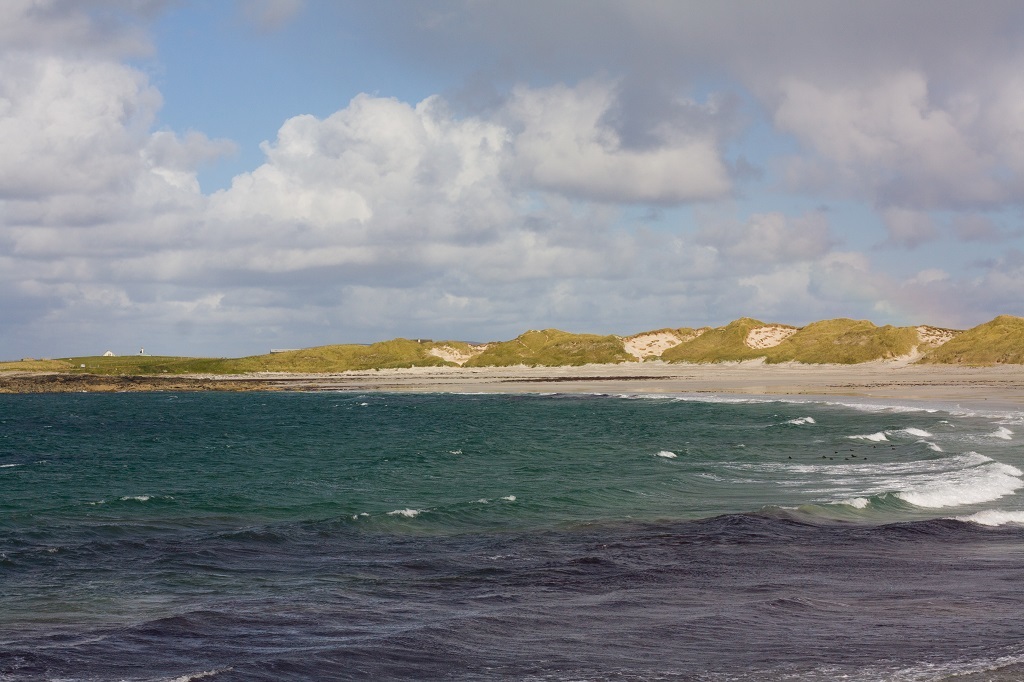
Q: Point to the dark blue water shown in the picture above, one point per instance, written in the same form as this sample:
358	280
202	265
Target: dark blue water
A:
336	536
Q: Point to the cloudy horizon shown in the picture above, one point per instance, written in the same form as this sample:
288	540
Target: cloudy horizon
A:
224	178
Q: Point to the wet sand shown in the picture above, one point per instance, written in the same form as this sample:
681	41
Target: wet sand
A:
998	388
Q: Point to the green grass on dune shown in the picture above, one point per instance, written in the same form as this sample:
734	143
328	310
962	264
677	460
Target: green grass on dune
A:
1000	341
843	341
340	358
839	341
722	344
392	354
552	348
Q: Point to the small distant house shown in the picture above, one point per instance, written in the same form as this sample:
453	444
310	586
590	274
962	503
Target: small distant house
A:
109	354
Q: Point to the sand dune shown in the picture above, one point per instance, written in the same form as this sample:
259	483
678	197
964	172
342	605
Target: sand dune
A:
769	336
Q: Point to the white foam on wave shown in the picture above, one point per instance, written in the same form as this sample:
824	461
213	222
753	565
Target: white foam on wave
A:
970	478
856	502
800	421
876	437
880	406
934	447
668	454
509	498
994	517
8	466
974	485
880	436
407	513
1003	433
911	431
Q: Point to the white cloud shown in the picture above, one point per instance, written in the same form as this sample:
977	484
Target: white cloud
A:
377	171
389	217
175	159
70	126
889	141
564	144
847	278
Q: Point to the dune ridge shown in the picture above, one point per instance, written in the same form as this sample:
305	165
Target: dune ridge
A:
838	341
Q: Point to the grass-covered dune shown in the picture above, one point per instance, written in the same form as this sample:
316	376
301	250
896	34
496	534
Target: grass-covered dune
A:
340	358
839	341
1000	341
552	348
721	344
336	358
844	341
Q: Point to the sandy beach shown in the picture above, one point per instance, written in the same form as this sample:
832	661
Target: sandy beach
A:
999	387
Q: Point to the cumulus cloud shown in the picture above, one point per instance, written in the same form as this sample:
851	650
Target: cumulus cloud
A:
564	142
70	126
568	200
910	105
889	141
377	171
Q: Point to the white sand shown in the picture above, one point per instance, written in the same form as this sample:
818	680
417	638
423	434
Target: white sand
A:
647	345
934	336
768	336
450	354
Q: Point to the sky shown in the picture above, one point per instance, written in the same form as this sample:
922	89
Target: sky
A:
219	178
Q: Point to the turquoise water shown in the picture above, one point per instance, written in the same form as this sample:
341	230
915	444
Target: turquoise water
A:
326	535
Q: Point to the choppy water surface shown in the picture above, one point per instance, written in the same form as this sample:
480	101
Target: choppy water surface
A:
340	536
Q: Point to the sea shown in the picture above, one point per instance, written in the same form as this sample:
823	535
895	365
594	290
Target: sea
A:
344	536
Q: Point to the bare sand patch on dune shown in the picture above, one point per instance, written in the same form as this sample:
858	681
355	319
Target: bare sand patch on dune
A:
768	336
459	357
935	336
654	344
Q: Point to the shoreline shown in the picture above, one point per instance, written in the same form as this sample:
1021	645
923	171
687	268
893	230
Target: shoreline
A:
994	388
